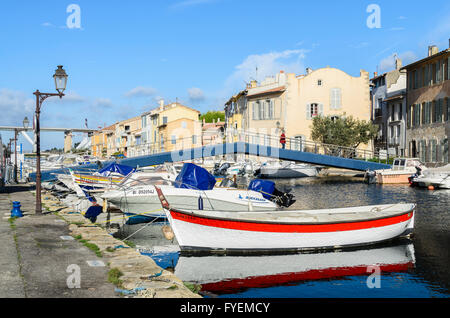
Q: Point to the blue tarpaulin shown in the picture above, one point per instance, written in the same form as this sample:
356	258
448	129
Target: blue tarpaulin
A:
194	177
266	187
114	167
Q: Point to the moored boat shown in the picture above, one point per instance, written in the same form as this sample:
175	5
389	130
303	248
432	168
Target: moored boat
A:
402	169
287	169
287	230
438	178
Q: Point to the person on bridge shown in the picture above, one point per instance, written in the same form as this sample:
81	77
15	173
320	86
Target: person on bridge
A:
283	139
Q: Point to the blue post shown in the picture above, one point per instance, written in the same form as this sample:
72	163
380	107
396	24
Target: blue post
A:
15	212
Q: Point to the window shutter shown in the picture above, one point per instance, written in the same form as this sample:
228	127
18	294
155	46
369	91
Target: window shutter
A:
320	110
308	111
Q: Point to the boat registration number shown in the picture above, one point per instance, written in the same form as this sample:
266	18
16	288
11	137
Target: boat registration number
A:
143	192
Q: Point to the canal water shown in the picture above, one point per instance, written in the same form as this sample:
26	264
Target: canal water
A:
407	268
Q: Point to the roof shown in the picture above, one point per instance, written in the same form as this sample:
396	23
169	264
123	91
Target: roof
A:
406	67
279	89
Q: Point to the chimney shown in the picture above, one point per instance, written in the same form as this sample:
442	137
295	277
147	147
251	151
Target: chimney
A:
398	63
308	70
161	103
375	74
432	49
281	72
253	83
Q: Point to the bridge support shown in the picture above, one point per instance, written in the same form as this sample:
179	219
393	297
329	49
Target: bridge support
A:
67	141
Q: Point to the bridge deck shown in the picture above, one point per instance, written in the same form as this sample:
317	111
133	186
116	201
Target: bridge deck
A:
236	148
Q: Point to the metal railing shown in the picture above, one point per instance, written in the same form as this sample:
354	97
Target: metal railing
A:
292	143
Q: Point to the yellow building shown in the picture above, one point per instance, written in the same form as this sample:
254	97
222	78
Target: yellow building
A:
234	116
172	126
99	141
127	135
289	102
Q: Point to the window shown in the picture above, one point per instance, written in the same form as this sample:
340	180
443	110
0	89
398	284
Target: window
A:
319	82
194	139
439	109
447	109
314	110
335	99
444	150
173	139
261	110
183	124
433	151
269	103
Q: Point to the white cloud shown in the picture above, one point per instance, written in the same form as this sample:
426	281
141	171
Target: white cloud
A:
141	91
397	28
190	3
196	94
258	66
102	102
15	105
388	63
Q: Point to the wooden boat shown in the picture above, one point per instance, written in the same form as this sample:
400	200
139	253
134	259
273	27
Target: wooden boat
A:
287	230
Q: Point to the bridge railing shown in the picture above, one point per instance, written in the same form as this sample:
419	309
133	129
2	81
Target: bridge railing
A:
292	143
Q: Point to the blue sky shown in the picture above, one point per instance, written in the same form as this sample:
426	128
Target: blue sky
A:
129	54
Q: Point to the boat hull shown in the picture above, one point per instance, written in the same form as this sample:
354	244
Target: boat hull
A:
288	173
199	232
144	200
394	178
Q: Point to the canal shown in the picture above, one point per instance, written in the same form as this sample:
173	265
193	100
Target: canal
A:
406	268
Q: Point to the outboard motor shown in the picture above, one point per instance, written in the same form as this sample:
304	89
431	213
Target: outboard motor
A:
222	170
268	190
228	183
417	174
370	176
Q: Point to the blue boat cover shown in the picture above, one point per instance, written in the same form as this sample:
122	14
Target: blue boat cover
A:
115	167
194	177
266	187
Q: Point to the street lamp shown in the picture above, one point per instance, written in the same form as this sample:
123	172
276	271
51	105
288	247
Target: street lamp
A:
60	78
25	123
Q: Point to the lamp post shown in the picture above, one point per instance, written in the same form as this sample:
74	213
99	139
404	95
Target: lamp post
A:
60	78
25	123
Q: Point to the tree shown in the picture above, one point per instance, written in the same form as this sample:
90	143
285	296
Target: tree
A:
344	131
212	115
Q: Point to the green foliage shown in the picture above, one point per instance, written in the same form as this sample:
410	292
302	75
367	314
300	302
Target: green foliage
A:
212	115
114	277
342	131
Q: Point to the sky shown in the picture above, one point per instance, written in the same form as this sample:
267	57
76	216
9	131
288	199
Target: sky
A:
122	57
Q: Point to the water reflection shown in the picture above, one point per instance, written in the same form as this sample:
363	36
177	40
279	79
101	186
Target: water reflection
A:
429	276
233	274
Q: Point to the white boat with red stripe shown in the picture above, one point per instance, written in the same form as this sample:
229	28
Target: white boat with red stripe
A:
198	230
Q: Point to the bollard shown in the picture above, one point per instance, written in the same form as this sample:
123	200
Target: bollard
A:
15	212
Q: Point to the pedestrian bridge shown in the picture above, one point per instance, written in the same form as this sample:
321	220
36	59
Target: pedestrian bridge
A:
306	155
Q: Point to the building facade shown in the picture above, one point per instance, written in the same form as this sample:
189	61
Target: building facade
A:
428	107
287	102
388	98
172	126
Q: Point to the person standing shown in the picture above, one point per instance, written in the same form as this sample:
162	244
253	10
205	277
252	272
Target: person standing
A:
283	140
